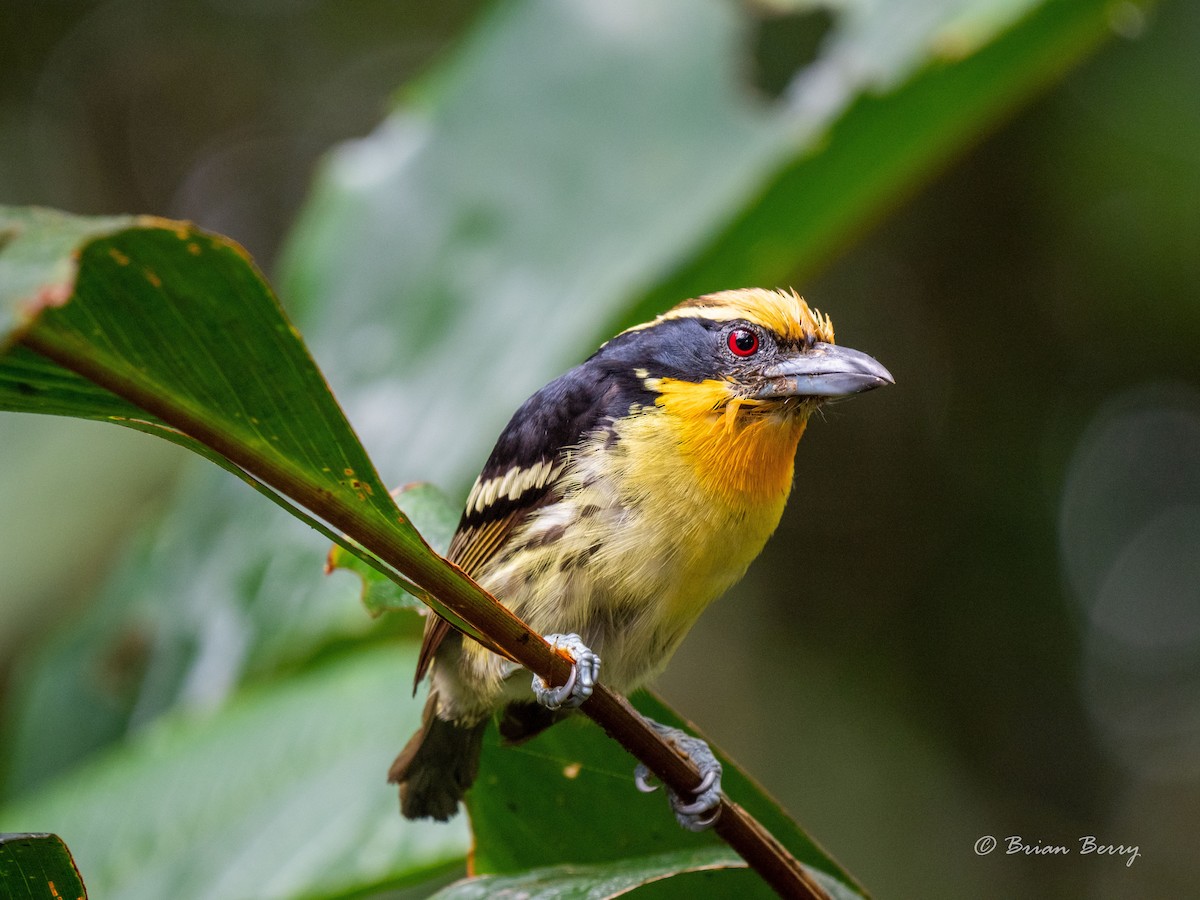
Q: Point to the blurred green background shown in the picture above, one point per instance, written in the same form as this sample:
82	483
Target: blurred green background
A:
981	615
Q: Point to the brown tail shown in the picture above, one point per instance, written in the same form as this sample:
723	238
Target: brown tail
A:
437	765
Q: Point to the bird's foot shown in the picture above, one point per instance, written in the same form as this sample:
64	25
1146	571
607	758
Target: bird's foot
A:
702	810
584	672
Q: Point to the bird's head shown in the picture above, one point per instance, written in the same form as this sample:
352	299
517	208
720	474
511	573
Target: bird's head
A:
748	351
726	383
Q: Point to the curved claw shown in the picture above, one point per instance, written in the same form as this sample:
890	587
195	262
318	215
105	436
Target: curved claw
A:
641	777
690	809
582	681
705	807
703	803
553	698
699	815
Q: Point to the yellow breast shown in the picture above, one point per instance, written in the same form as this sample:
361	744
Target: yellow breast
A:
741	453
656	521
703	487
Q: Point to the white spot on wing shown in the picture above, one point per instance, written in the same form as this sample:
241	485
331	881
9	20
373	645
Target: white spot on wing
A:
511	485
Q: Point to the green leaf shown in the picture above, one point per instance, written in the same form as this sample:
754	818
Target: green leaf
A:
597	881
180	323
940	74
171	316
38	242
279	794
38	867
151	639
477	243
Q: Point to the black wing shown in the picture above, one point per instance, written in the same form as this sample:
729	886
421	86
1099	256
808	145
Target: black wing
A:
521	474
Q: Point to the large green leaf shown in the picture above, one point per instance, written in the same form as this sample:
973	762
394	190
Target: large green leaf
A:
37	867
151	641
169	317
279	794
181	326
707	871
914	85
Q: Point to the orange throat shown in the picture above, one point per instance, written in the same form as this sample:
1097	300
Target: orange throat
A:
742	451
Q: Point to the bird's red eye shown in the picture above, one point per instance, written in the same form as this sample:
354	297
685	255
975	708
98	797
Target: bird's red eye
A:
743	342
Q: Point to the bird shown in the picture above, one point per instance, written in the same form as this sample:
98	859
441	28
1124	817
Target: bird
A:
619	501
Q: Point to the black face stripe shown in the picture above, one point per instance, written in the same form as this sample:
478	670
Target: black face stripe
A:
672	348
691	348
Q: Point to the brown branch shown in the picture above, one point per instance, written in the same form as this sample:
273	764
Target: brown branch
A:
479	609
